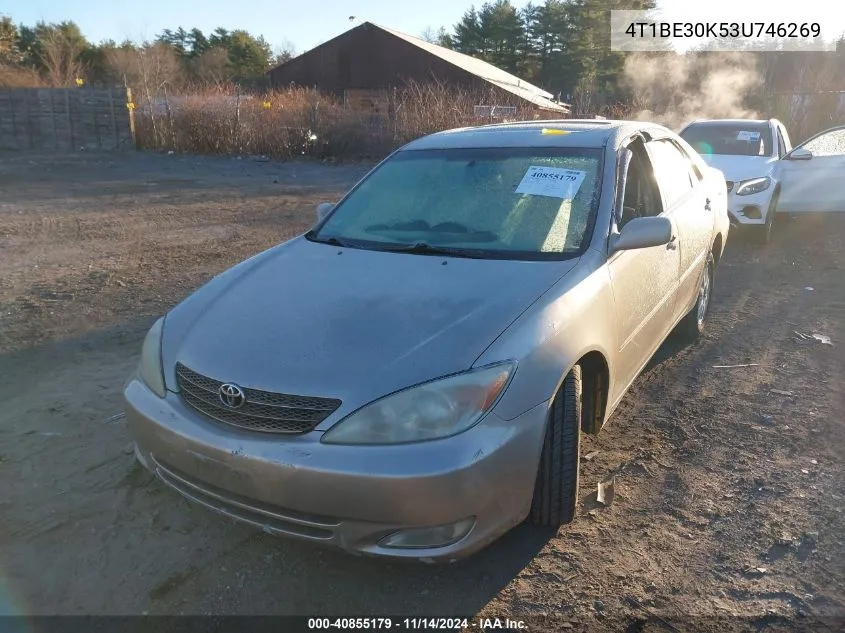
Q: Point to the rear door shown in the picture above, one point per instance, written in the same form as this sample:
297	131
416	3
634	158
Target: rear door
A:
686	199
814	182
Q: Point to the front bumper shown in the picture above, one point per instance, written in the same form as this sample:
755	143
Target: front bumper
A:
749	210
350	497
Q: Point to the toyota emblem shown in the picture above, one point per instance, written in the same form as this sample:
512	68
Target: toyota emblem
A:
231	395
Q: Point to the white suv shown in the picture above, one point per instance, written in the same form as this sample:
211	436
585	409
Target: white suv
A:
744	150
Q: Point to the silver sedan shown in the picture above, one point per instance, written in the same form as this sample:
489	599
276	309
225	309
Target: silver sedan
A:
411	377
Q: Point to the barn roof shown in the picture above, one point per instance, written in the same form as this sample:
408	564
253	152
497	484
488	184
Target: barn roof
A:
484	70
477	67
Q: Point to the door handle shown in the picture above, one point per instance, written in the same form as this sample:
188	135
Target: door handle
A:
707	205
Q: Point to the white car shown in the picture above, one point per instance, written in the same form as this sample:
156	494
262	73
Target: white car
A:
811	175
745	151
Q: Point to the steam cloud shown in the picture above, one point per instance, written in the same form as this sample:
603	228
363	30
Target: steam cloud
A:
673	89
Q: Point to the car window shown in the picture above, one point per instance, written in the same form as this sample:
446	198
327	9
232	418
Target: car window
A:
830	143
781	145
675	176
745	138
498	200
697	164
641	198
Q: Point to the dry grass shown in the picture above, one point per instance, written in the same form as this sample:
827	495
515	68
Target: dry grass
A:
667	89
299	122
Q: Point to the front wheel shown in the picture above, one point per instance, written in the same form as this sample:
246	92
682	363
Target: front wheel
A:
556	487
763	234
692	325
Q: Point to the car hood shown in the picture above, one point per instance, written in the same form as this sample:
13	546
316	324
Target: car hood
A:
738	168
310	319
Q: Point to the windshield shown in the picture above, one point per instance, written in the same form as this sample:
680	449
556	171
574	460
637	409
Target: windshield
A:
520	203
730	139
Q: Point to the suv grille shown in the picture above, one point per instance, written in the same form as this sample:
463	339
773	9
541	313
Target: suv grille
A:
262	410
730	184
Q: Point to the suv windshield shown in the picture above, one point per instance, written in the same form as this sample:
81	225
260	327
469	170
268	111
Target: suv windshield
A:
731	139
506	203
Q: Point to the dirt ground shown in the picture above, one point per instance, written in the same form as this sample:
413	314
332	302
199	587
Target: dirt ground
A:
728	513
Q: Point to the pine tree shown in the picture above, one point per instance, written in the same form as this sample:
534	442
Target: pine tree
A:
467	38
9	53
501	30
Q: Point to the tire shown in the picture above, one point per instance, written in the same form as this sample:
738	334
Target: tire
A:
693	324
556	488
763	235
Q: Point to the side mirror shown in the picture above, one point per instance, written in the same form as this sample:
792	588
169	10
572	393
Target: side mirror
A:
800	154
323	210
643	233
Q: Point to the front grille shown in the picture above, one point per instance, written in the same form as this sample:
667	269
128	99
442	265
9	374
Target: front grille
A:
730	184
263	411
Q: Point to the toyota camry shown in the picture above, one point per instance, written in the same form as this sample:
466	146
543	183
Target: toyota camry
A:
411	377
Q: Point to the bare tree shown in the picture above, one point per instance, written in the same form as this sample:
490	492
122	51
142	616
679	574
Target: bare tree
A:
429	35
149	68
159	68
283	53
212	67
14	76
152	70
60	58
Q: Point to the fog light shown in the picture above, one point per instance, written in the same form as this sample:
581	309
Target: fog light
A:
752	212
439	536
140	457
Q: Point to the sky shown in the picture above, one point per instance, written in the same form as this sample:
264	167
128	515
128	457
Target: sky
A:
290	23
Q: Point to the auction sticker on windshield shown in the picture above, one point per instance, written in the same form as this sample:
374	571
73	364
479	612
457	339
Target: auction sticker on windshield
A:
748	136
552	182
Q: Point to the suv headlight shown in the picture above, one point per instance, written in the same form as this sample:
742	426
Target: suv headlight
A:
150	369
432	410
755	185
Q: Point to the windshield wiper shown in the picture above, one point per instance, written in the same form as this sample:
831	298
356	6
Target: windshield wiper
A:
422	248
333	241
443	227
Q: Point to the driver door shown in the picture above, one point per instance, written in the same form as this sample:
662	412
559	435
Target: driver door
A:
815	183
644	281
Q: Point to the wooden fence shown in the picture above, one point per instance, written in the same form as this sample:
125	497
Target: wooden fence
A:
65	119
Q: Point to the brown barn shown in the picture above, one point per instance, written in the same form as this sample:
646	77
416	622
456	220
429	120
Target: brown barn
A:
364	61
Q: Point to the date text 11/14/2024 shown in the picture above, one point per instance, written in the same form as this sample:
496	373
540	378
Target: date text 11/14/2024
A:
416	624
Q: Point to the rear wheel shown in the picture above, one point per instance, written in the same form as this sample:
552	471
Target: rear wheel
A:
556	488
692	325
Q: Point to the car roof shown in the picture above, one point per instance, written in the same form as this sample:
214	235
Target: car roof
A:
581	133
730	121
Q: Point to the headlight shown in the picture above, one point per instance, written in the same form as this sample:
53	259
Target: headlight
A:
433	410
150	368
755	185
